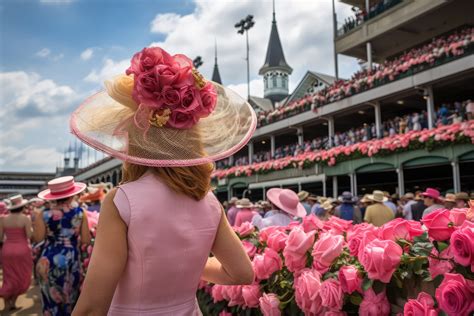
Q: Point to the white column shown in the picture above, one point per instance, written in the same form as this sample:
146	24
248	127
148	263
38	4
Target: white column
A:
334	187
401	182
369	55
272	145
324	188
299	133
250	147
430	106
378	119
331	130
353	178
456	177
299	186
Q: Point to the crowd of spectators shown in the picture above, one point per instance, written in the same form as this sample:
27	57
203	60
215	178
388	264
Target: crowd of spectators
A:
446	114
360	14
441	49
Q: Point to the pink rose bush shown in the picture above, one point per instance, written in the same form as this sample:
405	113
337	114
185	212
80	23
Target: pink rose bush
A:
338	268
170	83
459	133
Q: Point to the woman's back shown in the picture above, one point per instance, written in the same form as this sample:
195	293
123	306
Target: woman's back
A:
169	239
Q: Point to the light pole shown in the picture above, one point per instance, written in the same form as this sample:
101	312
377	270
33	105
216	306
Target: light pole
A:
197	62
242	26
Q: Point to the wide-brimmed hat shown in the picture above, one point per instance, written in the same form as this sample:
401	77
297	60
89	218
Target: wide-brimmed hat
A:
233	200
365	199
432	193
303	195
377	196
94	194
463	196
163	113
36	201
61	188
450	197
327	205
346	197
244	203
409	196
287	201
17	201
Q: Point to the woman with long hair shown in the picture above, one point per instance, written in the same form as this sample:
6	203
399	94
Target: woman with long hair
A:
62	226
156	230
16	253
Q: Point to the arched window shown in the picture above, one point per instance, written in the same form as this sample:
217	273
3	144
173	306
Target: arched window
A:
284	82
266	82
274	79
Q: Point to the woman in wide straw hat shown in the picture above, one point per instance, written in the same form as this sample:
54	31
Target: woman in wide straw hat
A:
62	227
168	124
246	211
15	229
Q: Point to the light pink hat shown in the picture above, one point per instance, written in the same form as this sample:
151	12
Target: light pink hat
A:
287	201
61	188
163	113
17	201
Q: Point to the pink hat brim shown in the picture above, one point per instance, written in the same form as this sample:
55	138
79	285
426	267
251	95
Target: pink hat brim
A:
48	196
437	198
273	196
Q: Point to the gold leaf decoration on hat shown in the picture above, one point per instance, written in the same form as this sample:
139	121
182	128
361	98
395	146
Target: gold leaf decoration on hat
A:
199	79
159	118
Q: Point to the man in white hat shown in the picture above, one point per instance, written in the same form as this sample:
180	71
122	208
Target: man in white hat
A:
409	199
378	213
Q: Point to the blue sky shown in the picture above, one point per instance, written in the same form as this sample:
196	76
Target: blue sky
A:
55	53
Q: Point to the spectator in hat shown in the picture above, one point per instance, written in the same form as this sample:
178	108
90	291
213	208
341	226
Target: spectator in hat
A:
303	196
327	210
432	200
378	213
409	201
418	207
348	210
449	201
286	207
462	199
389	203
246	212
232	211
364	203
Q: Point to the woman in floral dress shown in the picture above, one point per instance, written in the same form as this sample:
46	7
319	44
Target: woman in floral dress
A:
62	227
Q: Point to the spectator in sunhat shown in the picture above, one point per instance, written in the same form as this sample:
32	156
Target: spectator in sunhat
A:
169	125
432	201
378	213
462	200
303	196
232	211
348	210
16	230
246	213
62	226
449	201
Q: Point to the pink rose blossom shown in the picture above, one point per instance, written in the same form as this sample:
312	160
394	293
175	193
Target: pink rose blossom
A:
350	279
251	295
217	293
439	266
312	222
266	264
225	313
327	248
455	295
380	259
270	305
266	232
332	296
235	295
374	304
422	306
400	228
297	244
458	216
439	224
337	226
462	245
250	248
277	240
308	292
245	229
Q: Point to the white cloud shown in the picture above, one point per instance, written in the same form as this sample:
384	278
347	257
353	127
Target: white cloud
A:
29	158
305	29
87	54
28	95
109	69
256	88
43	53
165	23
57	57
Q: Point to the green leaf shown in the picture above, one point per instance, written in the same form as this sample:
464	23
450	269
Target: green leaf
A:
422	238
355	298
442	246
367	284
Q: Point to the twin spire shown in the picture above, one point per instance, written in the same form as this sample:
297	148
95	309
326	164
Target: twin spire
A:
216	77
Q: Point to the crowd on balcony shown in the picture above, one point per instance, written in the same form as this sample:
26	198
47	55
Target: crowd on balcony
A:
361	15
439	50
447	113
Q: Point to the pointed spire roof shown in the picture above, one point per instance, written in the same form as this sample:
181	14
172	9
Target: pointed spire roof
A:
216	77
275	57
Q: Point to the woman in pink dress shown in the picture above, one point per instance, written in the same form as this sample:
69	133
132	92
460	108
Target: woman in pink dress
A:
157	229
246	212
15	230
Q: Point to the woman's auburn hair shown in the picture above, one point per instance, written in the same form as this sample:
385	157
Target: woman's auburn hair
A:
192	181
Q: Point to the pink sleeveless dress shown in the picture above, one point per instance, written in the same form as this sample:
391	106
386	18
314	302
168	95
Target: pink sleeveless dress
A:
170	237
17	263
